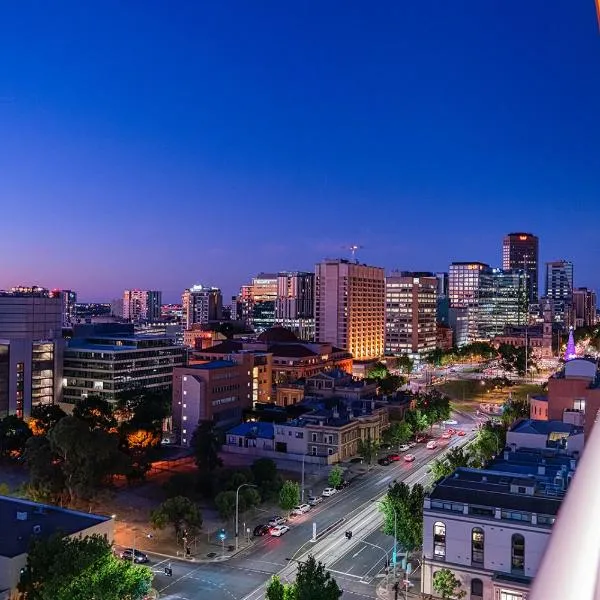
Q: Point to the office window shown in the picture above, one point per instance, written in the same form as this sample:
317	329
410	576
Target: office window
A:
517	558
439	540
477	539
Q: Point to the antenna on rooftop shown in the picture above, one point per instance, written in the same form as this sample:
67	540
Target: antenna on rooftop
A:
353	248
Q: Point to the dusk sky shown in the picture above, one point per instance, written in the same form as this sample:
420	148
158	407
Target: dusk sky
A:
161	144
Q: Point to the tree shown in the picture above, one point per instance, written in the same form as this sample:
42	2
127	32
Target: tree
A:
96	413
378	371
402	508
46	479
140	443
289	495
513	409
391	384
180	512
145	408
336	476
76	568
44	417
490	440
275	589
405	364
399	432
417	420
435	406
455	458
206	445
225	503
14	433
314	582
447	584
266	477
368	448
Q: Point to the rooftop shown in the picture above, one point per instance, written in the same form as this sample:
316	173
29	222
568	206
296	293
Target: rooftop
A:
22	518
254	429
545	427
213	364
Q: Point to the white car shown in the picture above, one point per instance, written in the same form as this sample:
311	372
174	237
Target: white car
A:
277	520
404	448
314	500
329	492
432	445
301	509
279	530
451	422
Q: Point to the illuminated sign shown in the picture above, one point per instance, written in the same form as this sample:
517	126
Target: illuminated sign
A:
523	237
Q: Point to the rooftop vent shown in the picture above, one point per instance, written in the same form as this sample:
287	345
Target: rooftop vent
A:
21	516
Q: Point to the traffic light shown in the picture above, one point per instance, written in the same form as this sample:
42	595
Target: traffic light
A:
222	535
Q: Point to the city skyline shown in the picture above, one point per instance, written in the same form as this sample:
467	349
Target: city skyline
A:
271	141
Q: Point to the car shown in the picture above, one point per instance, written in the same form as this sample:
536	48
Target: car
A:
411	444
260	530
450	422
136	555
329	491
314	500
420	439
432	445
409	457
384	462
277	520
279	530
301	509
404	448
446	435
357	459
461	433
345	483
393	457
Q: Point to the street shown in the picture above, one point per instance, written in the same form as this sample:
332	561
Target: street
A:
357	564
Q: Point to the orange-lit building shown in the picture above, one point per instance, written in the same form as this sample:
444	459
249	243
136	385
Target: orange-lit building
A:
199	337
444	337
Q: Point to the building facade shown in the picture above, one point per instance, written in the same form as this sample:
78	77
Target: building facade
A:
264	293
31	349
350	307
295	306
410	314
584	306
141	305
104	360
201	304
521	251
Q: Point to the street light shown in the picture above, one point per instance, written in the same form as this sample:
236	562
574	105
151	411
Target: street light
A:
303	457
237	512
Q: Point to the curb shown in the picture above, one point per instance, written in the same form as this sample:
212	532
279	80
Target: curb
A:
194	559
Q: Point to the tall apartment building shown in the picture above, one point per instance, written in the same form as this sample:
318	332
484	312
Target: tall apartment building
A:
521	251
69	299
410	314
464	285
106	359
350	307
584	305
31	349
443	301
559	289
201	304
264	299
295	306
141	305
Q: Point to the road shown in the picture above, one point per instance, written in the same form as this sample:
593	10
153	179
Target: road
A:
355	563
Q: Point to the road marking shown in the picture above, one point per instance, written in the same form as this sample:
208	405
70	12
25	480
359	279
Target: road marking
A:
382	481
357	553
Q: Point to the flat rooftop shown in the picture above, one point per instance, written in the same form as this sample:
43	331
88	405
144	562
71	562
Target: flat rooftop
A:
20	520
213	364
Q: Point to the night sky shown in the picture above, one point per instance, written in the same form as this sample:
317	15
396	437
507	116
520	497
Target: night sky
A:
160	144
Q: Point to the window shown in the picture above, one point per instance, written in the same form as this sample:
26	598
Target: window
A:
510	595
477	538
313	450
314	437
517	553
476	589
439	540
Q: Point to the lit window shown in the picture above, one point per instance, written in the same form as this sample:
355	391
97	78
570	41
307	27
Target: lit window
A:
185	378
184	418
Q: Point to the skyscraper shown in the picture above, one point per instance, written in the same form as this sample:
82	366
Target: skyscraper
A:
521	251
141	305
584	305
201	304
69	299
410	314
295	306
350	307
559	289
264	299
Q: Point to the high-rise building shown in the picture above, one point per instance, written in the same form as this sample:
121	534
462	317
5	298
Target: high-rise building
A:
584	305
201	304
141	305
443	302
410	314
31	349
521	251
559	290
502	302
264	299
295	306
350	307
69	299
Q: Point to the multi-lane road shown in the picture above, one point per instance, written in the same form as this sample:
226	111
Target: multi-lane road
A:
356	564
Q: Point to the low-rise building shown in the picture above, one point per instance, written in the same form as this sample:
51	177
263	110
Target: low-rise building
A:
23	520
490	526
531	433
217	391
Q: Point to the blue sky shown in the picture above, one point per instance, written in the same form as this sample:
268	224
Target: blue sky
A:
153	144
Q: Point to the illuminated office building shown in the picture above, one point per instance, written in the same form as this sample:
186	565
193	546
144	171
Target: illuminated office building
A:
521	251
141	305
295	306
201	304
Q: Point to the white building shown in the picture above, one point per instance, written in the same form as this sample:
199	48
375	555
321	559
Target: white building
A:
201	304
490	527
141	305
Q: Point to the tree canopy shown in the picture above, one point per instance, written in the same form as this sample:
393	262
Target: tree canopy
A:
75	568
44	417
96	413
14	433
206	445
180	512
402	508
447	584
336	476
289	495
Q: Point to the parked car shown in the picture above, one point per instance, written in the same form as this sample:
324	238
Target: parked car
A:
450	422
404	448
409	457
384	462
279	530
446	435
345	483
357	459
411	444
277	520
135	555
393	457
301	509
420	439
314	500
461	433
328	491
260	530
432	445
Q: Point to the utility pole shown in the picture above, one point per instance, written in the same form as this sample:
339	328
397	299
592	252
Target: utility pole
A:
303	457
237	515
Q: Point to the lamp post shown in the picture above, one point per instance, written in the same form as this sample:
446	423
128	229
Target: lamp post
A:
395	542
237	512
303	457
